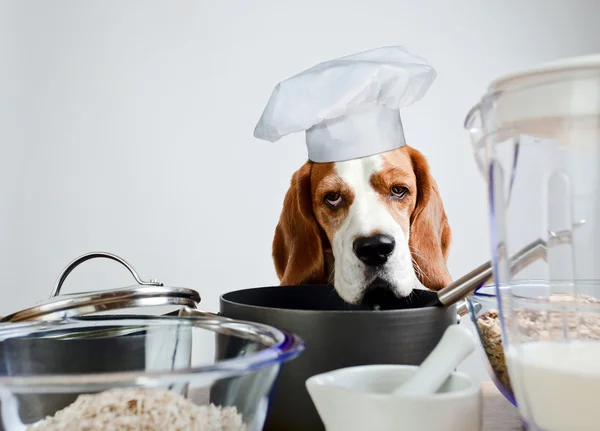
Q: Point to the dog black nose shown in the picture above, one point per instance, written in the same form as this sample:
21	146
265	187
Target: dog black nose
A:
374	250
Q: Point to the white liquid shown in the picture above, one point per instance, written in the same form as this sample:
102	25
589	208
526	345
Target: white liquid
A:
557	384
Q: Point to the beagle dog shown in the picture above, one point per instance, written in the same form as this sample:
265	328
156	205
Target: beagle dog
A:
376	221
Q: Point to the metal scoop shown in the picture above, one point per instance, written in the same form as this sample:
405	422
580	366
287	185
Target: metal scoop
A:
483	274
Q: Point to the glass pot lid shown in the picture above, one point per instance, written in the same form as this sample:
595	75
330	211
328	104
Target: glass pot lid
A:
145	294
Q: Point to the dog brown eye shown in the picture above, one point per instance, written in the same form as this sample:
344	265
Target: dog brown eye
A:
334	200
399	191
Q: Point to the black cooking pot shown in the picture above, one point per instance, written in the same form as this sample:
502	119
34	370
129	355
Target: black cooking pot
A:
382	330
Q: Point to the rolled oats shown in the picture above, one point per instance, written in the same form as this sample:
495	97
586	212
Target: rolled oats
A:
135	409
538	325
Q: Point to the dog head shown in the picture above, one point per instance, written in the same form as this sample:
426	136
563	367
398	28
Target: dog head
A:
381	217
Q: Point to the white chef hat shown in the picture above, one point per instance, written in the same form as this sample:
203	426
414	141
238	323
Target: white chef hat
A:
350	106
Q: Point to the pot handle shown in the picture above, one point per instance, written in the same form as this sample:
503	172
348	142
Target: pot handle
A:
194	312
463	309
71	266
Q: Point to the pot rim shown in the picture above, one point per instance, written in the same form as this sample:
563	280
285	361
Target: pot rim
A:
532	282
224	300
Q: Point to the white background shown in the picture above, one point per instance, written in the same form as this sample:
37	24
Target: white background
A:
126	126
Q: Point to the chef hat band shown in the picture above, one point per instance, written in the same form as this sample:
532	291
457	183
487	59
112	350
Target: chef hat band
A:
364	131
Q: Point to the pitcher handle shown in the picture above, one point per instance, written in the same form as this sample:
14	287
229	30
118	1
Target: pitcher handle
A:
474	125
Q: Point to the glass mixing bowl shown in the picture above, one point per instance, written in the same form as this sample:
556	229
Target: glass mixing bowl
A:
170	371
483	309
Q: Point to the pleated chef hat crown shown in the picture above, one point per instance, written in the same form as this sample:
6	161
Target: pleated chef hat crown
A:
350	106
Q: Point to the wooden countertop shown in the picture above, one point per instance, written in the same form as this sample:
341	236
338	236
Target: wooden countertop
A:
498	413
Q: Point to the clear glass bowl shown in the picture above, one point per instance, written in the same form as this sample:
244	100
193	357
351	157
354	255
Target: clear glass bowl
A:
483	309
174	370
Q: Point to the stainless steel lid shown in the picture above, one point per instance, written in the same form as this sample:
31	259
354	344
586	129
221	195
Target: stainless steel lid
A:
145	294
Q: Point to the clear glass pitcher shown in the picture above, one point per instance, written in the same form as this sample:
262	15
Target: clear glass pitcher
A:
536	137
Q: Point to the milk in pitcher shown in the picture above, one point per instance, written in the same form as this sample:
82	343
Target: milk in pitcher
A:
557	384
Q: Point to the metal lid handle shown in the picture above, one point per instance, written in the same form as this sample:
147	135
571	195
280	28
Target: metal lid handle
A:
71	266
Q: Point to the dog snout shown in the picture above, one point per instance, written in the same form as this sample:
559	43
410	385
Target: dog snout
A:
374	250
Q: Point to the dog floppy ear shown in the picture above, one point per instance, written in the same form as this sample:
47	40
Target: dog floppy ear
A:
430	233
297	245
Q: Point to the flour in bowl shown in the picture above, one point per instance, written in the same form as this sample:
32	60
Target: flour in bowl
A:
140	410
